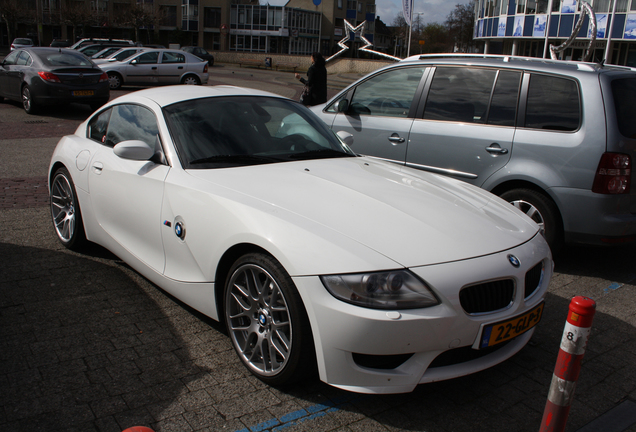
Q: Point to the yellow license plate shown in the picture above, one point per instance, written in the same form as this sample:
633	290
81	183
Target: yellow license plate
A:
83	93
494	334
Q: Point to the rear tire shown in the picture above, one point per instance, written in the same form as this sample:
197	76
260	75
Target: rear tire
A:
540	209
27	101
191	80
114	81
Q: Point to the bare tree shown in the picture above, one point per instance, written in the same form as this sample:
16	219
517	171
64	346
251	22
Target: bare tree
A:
13	12
76	14
139	16
460	23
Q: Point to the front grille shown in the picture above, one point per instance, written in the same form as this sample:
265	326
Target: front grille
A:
534	277
488	296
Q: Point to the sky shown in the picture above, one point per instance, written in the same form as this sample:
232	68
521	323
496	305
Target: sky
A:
433	11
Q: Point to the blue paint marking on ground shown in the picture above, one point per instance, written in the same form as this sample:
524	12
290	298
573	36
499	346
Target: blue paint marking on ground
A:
302	415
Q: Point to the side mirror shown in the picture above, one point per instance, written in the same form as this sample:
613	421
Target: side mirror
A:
134	62
342	105
345	137
134	150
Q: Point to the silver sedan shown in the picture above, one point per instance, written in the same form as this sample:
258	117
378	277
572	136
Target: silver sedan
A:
157	67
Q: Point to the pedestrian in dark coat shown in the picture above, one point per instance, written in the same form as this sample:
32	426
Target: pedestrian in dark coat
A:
316	81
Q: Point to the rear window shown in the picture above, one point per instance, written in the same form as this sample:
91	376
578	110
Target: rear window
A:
65	59
23	42
624	91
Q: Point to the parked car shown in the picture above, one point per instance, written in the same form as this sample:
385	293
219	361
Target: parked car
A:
119	55
21	43
96	41
244	205
60	43
91	50
157	67
106	52
45	76
201	53
556	139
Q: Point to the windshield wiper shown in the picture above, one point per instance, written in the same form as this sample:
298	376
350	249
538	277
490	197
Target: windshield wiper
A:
320	154
239	159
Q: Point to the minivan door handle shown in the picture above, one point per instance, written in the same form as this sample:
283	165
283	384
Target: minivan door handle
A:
495	149
396	139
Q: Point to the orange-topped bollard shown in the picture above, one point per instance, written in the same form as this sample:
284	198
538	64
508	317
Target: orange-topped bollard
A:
568	366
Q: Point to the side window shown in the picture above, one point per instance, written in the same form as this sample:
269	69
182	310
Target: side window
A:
503	106
388	94
132	122
459	94
170	57
148	58
624	91
11	58
24	59
98	125
553	103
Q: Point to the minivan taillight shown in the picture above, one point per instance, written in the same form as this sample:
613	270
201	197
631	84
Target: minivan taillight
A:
614	174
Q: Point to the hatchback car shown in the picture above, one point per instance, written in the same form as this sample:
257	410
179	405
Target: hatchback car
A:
244	205
202	53
21	43
46	76
157	67
556	139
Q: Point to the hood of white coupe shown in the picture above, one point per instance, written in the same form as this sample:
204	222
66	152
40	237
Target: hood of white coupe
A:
411	217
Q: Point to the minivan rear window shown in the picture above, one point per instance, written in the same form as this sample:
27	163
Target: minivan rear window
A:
624	91
553	103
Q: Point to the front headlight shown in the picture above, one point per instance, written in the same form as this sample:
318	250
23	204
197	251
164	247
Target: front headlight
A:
397	289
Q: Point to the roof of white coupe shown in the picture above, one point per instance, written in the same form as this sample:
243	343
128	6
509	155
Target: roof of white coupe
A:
168	95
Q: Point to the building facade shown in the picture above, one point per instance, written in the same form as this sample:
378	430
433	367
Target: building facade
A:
299	27
529	27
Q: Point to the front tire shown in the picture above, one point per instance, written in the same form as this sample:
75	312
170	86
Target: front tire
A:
267	321
65	211
540	209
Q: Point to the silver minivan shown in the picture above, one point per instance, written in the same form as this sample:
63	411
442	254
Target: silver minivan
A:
557	139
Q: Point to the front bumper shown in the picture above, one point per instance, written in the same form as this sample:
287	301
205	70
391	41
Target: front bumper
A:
344	333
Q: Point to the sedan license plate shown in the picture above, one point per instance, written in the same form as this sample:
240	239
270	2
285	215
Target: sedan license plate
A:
494	334
83	93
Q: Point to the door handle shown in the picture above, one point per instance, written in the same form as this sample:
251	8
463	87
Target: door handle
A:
180	67
396	139
154	68
98	167
496	149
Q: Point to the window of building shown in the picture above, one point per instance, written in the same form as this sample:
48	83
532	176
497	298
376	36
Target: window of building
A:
371	8
521	6
553	104
212	17
339	4
169	14
351	5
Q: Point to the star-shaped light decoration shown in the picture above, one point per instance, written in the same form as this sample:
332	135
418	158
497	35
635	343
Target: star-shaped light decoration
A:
367	44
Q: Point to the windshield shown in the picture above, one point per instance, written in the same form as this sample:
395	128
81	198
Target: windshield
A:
223	132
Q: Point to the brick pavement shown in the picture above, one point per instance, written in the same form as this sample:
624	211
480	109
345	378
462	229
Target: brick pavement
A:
86	344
